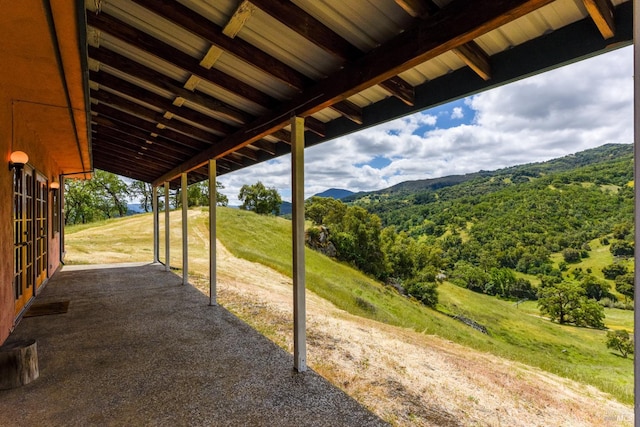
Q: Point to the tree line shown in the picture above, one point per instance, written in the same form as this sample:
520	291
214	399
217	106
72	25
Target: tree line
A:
107	195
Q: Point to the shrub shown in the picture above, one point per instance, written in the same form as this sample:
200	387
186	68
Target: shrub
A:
571	255
423	290
614	270
625	284
622	248
620	341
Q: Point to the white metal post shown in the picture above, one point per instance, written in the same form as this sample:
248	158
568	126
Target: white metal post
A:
167	229
185	238
156	224
299	304
636	143
212	232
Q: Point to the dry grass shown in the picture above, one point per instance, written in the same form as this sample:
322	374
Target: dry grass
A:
405	377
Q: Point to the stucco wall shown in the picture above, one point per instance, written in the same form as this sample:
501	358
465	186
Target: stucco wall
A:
6	230
15	134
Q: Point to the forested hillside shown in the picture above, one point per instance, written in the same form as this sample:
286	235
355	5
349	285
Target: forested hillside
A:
502	232
517	217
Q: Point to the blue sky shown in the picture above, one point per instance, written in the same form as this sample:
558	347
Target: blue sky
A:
563	111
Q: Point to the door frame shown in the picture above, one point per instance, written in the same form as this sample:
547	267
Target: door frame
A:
23	237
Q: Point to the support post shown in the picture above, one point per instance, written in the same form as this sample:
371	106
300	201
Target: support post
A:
213	201
185	238
299	303
156	224
167	229
636	144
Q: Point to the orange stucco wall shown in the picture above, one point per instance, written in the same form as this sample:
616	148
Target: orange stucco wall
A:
16	137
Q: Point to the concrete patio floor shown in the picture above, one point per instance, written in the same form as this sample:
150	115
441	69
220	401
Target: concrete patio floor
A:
138	348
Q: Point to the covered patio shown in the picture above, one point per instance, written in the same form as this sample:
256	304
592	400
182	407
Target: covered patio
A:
137	347
177	92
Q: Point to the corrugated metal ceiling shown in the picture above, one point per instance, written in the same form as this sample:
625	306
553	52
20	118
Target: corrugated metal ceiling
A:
146	71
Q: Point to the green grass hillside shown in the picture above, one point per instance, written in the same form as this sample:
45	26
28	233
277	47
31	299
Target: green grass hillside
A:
515	332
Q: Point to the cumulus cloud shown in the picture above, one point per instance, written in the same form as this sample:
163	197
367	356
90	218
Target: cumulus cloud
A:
457	113
563	111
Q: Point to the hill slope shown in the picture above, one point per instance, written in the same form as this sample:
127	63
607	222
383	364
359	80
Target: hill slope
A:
520	218
407	366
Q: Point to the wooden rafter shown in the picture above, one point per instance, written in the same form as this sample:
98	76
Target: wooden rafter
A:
152	77
139	140
197	24
476	58
322	36
106	80
349	110
175	56
150	127
309	27
415	8
456	24
601	11
124	131
400	89
182	16
124	148
158	118
472	54
239	18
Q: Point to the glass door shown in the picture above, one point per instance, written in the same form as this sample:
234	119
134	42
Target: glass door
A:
41	228
23	222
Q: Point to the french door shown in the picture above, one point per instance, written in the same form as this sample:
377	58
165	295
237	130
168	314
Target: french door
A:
40	228
23	277
30	230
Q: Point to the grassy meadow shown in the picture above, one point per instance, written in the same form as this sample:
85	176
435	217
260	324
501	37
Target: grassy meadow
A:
516	332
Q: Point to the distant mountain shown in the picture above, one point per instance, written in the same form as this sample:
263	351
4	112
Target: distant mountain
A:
134	208
571	161
286	208
336	193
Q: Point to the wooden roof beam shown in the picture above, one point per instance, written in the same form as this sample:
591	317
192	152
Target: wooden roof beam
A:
601	11
349	110
456	24
308	27
475	58
144	160
199	25
133	68
319	34
125	131
470	53
248	153
106	80
415	8
150	127
266	146
138	110
239	18
116	148
175	56
399	88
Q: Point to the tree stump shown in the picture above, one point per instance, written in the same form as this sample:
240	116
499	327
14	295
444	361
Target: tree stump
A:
18	363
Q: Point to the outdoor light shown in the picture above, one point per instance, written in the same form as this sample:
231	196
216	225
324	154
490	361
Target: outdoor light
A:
54	185
17	160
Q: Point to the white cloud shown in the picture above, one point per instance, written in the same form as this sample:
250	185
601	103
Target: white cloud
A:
570	109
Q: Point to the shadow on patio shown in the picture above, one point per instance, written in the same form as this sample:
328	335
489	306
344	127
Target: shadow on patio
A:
136	347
